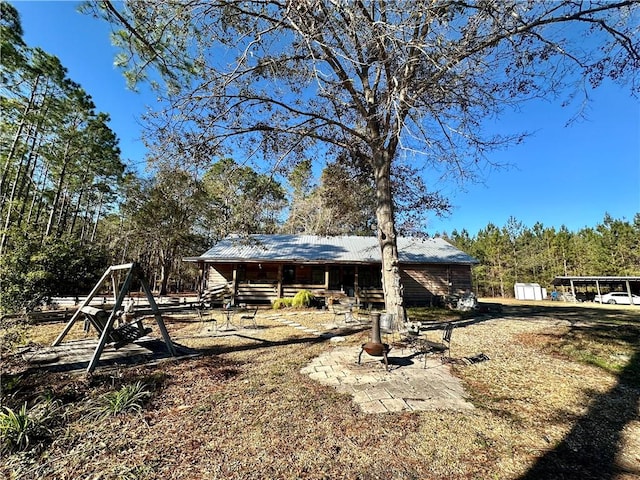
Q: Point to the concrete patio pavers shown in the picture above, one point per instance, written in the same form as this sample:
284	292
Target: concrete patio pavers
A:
407	386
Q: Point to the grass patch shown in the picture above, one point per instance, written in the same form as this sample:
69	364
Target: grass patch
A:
437	314
243	410
609	347
128	399
280	303
29	427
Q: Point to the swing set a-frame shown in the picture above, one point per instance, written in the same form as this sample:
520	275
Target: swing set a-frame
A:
104	320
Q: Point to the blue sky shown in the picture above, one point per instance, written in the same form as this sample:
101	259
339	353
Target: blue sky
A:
561	175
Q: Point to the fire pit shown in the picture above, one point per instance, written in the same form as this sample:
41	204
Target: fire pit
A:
375	347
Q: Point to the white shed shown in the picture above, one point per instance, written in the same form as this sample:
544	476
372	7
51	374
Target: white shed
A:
530	291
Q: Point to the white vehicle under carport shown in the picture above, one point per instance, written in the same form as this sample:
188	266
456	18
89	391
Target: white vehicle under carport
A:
617	298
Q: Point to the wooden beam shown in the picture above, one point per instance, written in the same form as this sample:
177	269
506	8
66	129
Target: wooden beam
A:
156	313
280	273
124	266
203	280
112	318
356	288
234	283
86	302
114	286
326	276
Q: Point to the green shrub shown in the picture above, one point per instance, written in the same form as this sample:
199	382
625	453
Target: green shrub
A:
280	303
33	271
130	398
303	299
13	332
28	427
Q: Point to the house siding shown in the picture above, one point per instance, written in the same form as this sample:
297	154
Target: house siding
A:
262	268
423	283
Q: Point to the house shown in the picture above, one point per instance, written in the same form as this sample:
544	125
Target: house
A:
260	268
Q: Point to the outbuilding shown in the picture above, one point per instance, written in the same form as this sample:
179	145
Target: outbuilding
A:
260	268
529	291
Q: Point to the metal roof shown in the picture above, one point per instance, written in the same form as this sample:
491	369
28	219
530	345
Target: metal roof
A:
320	249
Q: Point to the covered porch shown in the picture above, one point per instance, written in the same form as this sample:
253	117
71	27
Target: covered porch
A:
263	282
262	268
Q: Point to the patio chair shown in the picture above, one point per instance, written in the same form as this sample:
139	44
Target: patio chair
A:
206	315
407	337
249	316
445	355
343	310
425	347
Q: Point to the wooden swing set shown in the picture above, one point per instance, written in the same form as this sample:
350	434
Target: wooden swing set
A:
104	320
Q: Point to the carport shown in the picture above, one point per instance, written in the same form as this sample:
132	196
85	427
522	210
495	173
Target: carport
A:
629	284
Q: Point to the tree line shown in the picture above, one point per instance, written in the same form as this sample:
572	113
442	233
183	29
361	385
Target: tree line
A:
59	172
388	88
517	253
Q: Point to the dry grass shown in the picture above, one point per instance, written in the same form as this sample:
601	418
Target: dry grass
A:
559	398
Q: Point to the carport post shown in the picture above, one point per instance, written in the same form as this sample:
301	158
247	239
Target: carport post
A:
629	292
573	291
598	289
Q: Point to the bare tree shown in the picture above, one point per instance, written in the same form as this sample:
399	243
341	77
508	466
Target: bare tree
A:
391	82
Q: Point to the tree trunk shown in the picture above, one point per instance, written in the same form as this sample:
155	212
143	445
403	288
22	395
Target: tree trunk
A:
61	180
9	203
16	138
387	237
501	277
40	201
63	212
76	209
95	223
28	182
165	268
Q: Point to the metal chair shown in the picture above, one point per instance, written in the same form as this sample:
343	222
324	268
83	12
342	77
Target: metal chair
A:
425	347
206	315
343	310
446	343
249	316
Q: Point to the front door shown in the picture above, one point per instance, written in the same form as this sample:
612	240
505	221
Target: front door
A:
349	280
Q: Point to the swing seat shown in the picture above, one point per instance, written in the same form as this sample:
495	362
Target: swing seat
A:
95	317
128	333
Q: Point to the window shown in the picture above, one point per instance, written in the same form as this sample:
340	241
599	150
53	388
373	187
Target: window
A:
370	276
289	274
317	275
241	273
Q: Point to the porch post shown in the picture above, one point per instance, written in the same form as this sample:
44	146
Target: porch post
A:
203	278
279	288
234	283
356	288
